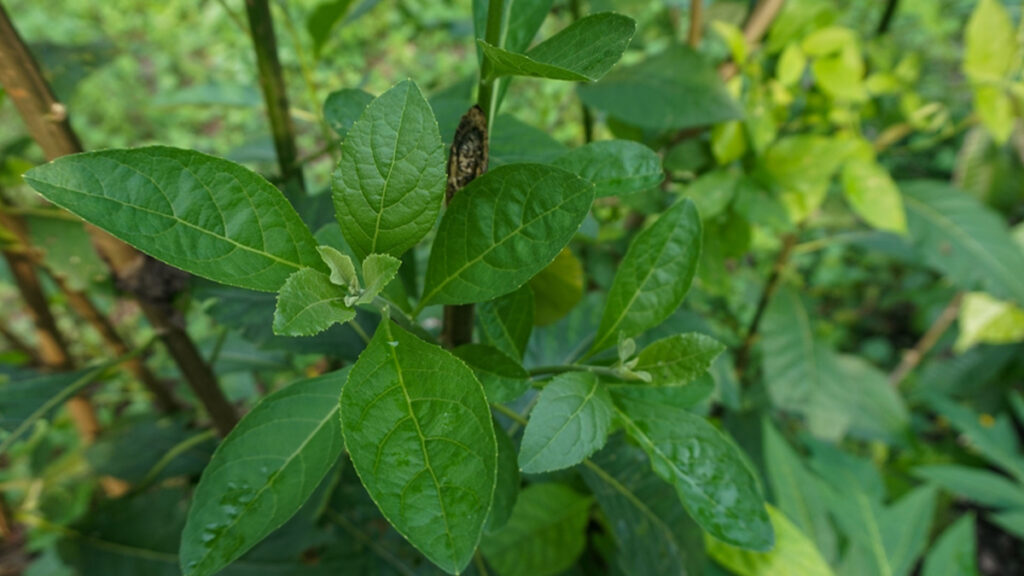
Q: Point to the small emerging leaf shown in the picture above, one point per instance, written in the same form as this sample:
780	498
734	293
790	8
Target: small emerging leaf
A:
378	271
343	271
310	303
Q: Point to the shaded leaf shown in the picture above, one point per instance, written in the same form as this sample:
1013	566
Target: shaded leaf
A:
503	378
615	167
793	553
557	289
506	322
343	107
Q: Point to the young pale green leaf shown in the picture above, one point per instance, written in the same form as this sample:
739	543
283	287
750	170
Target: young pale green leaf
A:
418	429
506	322
801	167
557	289
504	379
989	43
964	239
390	182
582	52
343	271
706	469
955	551
983	319
655	94
679	359
262	473
570	422
653	277
205	215
343	107
615	167
995	108
503	228
794	553
310	303
378	271
544	536
874	196
653	532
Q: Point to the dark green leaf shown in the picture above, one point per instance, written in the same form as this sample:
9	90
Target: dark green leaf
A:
653	532
570	422
503	378
343	107
656	94
309	304
263	473
545	534
419	432
653	277
503	228
390	182
202	214
998	442
557	289
323	19
516	142
615	167
583	51
963	239
506	322
955	551
506	490
706	469
524	20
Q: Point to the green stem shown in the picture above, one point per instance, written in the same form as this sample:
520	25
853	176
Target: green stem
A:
169	456
563	368
487	94
512	414
261	28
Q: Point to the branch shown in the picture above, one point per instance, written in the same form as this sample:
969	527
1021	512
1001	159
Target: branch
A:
890	11
913	357
264	42
743	354
696	10
151	282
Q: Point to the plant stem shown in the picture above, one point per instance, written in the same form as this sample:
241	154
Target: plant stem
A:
696	10
563	368
487	92
886	21
261	28
512	414
586	117
772	284
914	356
151	282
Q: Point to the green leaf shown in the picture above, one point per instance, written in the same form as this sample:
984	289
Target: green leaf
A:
680	359
963	239
202	214
506	322
501	229
794	553
841	76
570	422
66	250
503	378
791	65
905	528
995	440
557	289
978	485
343	107
1012	521
615	167
653	277
989	42
801	167
524	20
263	472
584	51
798	493
995	107
516	142
323	19
733	38
874	196
390	182
728	142
419	432
378	271
955	551
654	94
653	532
713	191
706	469
310	303
544	536
506	489
983	319
343	271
